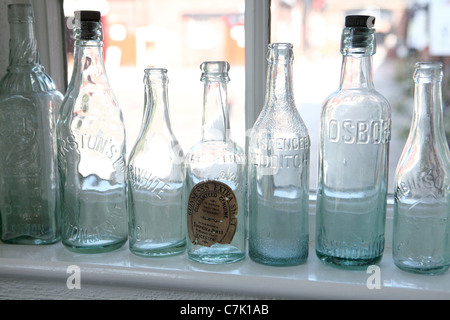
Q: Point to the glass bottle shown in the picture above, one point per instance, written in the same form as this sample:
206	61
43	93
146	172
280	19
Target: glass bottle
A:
353	157
91	149
279	148
29	105
216	179
421	232
156	177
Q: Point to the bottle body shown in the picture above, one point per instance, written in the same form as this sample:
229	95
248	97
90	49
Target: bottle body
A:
278	164
353	164
29	104
421	241
91	152
216	180
156	179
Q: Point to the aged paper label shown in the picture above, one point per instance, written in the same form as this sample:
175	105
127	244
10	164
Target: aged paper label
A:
212	213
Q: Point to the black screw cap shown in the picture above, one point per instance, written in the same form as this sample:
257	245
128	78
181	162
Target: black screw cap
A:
360	21
94	16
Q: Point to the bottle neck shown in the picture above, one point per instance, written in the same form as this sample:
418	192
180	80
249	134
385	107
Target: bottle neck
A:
358	45
23	52
156	113
356	72
24	73
89	65
279	80
427	125
215	111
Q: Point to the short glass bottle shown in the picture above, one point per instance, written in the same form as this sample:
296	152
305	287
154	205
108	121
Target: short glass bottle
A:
29	106
353	158
216	179
421	232
91	149
156	177
278	160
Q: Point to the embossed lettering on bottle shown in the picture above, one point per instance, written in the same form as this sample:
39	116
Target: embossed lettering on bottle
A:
359	131
280	152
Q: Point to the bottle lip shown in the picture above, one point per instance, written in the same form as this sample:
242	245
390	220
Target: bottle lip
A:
155	70
215	70
155	75
20	12
280	51
428	71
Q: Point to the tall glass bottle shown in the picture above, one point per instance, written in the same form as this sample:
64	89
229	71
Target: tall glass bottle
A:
353	157
156	178
216	179
279	170
29	104
91	149
421	232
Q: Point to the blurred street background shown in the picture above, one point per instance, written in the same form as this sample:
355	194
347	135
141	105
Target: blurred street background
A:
180	34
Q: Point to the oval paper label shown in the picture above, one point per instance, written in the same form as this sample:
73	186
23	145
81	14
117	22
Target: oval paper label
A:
211	214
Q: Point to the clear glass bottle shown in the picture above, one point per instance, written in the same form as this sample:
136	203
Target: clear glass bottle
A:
29	105
278	161
91	149
421	232
156	178
353	157
216	179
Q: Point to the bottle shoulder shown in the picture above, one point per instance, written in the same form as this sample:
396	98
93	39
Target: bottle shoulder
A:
204	147
279	120
161	147
31	81
356	103
215	152
355	96
419	157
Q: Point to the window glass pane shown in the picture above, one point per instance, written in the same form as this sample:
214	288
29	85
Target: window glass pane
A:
407	32
177	35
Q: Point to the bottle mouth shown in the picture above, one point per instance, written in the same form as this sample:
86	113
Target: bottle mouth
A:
280	52
155	75
215	71
20	12
428	71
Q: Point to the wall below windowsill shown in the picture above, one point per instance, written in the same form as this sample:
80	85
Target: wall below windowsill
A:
41	272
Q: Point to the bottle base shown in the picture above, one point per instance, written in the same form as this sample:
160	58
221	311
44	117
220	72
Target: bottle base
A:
27	240
98	248
431	271
217	255
158	251
217	259
348	263
278	261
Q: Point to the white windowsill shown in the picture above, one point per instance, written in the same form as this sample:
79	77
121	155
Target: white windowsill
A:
33	272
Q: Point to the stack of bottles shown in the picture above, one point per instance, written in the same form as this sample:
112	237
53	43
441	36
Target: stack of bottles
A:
64	174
